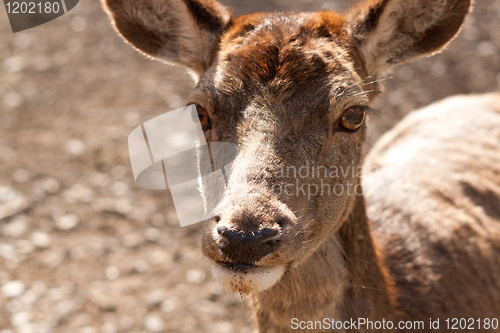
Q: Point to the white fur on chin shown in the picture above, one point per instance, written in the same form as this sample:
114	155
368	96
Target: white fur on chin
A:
253	279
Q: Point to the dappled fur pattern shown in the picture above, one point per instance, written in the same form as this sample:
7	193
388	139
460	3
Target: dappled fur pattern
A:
277	85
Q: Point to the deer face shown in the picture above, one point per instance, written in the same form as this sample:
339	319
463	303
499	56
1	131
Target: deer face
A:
292	93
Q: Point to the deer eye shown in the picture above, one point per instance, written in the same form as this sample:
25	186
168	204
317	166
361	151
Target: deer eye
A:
353	118
202	114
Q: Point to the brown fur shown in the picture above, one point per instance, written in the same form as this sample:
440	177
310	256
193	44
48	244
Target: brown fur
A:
278	85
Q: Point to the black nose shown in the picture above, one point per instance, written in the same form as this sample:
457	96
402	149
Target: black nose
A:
247	246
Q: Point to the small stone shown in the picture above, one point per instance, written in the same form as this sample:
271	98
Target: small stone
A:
52	258
98	179
24	246
67	222
77	253
154	323
168	305
29	297
11	202
159	257
17	227
12	99
87	329
141	266
132	240
102	300
487	49
120	188
195	276
13	289
79	193
49	185
14	64
39	288
112	272
20	319
222	327
155	297
7	251
152	234
75	147
109	327
40	239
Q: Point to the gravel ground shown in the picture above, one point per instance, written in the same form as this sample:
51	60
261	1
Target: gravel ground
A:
82	248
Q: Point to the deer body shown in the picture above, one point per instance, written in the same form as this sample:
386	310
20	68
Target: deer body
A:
448	175
292	91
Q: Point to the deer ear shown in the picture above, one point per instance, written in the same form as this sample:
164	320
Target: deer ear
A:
395	31
180	32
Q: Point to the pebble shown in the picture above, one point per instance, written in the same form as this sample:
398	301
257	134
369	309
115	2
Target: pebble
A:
195	276
20	318
120	188
102	300
87	329
52	258
140	266
222	327
17	227
168	305
112	272
67	222
40	239
154	323
156	297
12	99
75	147
49	185
109	327
7	251
13	289
24	246
29	297
11	202
79	193
160	257
152	234
132	240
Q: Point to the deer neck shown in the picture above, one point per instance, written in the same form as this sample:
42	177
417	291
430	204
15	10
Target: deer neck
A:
343	279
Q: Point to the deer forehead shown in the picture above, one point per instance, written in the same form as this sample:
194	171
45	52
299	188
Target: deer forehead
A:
305	62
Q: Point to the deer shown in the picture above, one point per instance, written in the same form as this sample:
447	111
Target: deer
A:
412	235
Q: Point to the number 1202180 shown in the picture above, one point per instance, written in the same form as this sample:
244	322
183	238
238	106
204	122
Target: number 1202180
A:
32	7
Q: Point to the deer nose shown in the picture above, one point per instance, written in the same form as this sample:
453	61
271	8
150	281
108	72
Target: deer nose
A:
247	246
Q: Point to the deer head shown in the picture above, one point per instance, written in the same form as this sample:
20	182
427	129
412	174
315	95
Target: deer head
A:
292	91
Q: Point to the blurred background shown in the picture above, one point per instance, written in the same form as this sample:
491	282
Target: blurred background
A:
82	248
